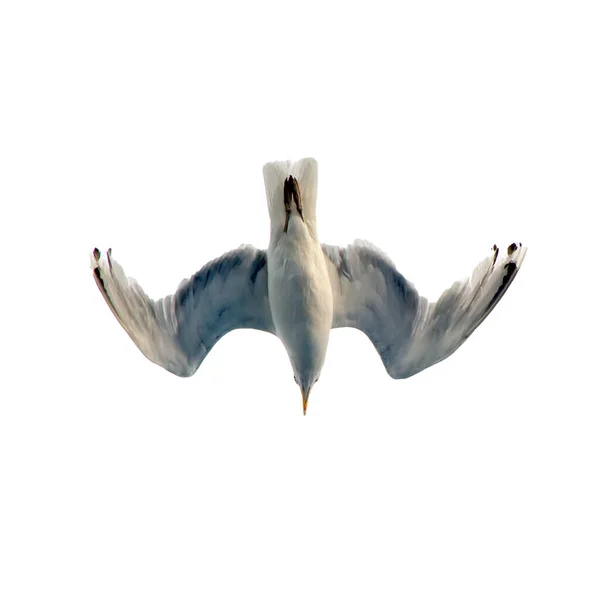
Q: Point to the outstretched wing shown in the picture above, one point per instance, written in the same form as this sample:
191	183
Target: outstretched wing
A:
178	331
409	332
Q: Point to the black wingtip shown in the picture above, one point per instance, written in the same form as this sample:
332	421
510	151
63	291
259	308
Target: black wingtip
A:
104	292
96	254
511	272
495	249
99	282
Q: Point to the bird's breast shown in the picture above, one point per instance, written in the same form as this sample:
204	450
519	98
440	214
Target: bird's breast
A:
300	296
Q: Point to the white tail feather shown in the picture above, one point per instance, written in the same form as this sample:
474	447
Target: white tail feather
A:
275	174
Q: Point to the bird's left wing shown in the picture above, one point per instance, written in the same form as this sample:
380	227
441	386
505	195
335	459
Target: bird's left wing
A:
409	332
178	331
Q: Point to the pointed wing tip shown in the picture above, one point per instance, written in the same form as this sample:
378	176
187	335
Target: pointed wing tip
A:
511	264
516	253
95	256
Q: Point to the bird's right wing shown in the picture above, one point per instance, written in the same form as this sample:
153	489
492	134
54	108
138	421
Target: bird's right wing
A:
178	331
409	332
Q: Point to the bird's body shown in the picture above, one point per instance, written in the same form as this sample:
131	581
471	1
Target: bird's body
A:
299	289
298	282
301	300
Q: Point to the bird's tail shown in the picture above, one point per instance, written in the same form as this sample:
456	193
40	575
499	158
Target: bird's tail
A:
275	174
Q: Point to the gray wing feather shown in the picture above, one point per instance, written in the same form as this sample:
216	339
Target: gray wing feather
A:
178	331
409	332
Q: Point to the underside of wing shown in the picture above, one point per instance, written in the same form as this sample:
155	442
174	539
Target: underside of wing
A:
178	331
409	332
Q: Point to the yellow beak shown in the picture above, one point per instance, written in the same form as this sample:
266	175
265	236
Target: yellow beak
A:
305	395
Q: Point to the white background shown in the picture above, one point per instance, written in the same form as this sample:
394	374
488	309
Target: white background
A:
440	129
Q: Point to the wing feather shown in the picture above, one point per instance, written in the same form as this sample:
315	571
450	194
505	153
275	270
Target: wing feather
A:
178	331
409	332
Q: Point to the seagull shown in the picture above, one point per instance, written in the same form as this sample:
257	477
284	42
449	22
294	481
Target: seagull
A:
299	290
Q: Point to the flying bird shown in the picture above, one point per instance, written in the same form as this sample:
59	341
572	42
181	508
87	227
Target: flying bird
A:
299	289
